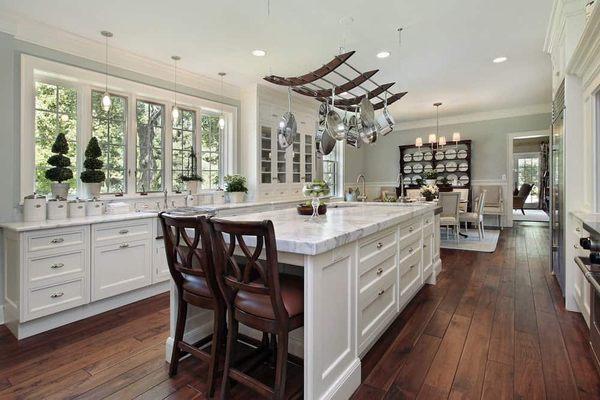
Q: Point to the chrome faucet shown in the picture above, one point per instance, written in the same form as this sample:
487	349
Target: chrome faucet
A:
165	201
363	194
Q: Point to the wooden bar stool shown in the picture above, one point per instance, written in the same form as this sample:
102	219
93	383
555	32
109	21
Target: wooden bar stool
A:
257	295
191	265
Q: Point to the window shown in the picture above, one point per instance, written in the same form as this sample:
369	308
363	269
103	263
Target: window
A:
330	174
211	142
150	141
183	146
55	112
527	170
111	131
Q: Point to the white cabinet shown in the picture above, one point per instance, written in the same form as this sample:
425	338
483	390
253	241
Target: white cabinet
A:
121	257
581	286
160	267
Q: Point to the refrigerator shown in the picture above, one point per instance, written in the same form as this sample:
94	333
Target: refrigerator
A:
557	179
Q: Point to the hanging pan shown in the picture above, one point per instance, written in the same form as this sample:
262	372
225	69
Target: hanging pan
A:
334	124
369	126
287	127
353	138
385	120
323	142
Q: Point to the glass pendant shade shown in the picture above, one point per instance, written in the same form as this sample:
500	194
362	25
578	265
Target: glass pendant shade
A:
175	113
442	140
221	122
456	137
432	138
106	102
419	142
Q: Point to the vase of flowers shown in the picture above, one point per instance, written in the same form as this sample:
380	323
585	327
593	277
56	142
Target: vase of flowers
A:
429	192
235	186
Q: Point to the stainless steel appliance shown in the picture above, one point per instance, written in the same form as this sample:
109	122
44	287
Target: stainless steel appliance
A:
557	214
590	266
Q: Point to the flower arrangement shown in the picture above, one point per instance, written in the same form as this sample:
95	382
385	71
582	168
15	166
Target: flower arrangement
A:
431	174
429	192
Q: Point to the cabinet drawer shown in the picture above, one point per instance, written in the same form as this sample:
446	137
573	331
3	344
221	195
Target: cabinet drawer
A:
427	255
52	299
428	219
377	305
56	267
427	228
410	272
410	249
410	229
122	231
56	239
119	268
379	243
373	275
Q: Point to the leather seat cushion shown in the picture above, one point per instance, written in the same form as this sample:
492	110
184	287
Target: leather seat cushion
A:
196	285
292	293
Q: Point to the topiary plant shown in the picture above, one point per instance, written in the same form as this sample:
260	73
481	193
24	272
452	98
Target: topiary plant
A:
93	164
60	171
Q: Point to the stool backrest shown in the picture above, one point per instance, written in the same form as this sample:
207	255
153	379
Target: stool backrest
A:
259	276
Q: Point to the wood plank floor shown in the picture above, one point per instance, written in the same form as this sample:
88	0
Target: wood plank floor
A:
494	327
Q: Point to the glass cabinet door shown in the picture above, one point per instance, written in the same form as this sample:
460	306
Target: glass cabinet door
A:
281	164
296	160
308	158
266	146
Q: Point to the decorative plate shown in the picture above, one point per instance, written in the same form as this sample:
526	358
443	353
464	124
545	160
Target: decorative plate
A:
463	167
450	154
464	179
407	169
452	178
418	156
407	180
462	154
428	167
417	168
439	179
439	155
407	157
451	166
428	156
416	179
440	168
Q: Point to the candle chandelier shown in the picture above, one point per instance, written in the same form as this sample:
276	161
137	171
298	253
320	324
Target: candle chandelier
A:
435	141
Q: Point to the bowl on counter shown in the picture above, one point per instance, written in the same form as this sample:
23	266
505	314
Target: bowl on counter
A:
304	209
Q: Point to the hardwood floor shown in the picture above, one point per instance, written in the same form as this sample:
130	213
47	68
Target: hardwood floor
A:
493	327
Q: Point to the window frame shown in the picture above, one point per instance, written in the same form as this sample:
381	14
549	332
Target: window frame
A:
220	151
84	81
195	139
162	145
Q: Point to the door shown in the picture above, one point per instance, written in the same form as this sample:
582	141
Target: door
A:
557	217
527	170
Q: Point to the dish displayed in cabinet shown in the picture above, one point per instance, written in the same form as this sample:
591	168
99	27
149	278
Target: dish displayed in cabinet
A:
428	156
418	156
462	154
450	154
416	179
407	180
440	168
439	155
463	167
428	168
451	166
407	158
464	180
417	168
407	169
451	178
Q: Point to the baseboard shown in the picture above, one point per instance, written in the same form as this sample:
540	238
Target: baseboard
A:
346	384
2	315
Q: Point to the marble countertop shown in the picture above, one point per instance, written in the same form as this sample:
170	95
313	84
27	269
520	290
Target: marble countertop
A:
591	221
342	224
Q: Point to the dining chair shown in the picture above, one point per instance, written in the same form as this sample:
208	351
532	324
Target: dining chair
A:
256	295
190	261
475	217
450	202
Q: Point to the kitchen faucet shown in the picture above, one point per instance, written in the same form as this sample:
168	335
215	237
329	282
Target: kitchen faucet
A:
363	194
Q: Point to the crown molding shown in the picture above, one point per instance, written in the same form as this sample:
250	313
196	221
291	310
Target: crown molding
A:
477	117
585	62
45	35
561	10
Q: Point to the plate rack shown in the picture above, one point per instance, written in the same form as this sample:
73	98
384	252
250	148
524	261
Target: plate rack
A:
451	161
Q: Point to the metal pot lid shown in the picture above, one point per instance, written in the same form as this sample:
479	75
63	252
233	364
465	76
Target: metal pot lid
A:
335	126
286	130
369	133
367	113
324	143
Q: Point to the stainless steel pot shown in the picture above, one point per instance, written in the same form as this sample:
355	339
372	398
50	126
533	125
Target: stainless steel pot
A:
369	125
323	142
334	124
385	120
354	128
287	128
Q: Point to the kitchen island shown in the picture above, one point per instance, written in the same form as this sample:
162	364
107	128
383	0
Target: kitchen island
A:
361	263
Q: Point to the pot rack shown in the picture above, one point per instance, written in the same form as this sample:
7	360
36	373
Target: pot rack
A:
321	84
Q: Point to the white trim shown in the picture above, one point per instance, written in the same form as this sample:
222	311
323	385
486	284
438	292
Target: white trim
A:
2	314
510	165
43	34
85	80
475	117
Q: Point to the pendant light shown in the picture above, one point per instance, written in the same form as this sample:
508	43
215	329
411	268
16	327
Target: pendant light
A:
222	117
106	102
175	110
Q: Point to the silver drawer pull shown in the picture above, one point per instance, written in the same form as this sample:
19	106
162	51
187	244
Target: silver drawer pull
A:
412	266
124	245
379	245
426	221
379	271
575	246
57	295
382	291
424	246
57	240
410	250
57	265
412	228
124	231
578	229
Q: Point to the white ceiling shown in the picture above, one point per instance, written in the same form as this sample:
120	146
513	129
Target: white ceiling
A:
446	51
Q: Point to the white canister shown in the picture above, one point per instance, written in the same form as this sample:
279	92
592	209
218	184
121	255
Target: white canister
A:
93	208
57	209
219	197
236	197
34	208
76	209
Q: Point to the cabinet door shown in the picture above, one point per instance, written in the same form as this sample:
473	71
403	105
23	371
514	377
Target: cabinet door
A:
296	159
160	267
119	268
266	154
428	243
308	158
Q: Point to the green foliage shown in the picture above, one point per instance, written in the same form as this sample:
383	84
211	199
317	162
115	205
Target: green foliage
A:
235	183
194	177
431	175
59	171
93	165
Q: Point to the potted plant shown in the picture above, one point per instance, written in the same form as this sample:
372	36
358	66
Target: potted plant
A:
60	171
191	179
431	177
93	176
235	186
429	192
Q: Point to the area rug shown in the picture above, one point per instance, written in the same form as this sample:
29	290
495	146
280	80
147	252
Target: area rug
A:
472	242
531	215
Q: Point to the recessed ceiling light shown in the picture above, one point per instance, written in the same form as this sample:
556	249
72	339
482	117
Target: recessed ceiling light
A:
383	54
259	53
499	60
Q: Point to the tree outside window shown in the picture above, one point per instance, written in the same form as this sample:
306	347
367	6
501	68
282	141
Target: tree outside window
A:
183	145
150	142
55	112
211	142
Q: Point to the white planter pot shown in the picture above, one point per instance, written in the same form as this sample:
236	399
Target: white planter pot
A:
219	197
59	190
236	197
93	189
193	186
